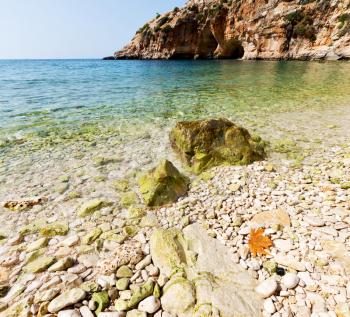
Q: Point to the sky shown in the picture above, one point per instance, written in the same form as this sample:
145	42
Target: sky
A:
31	29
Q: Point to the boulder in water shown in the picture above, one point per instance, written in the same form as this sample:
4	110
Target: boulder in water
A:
204	144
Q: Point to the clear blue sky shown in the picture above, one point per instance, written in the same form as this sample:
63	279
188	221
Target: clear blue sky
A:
72	28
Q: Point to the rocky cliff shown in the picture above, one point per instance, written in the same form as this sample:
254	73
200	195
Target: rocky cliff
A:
248	29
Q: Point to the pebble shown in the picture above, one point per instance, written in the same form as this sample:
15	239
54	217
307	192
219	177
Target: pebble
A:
269	306
314	221
146	261
149	305
67	298
86	312
290	280
112	314
69	313
267	287
283	245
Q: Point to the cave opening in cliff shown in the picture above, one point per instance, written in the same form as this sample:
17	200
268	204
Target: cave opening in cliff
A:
234	50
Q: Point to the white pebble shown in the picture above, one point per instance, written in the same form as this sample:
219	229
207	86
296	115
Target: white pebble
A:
267	287
149	305
290	280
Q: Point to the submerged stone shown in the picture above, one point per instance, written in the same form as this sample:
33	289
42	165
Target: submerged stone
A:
128	198
57	228
203	144
163	185
90	207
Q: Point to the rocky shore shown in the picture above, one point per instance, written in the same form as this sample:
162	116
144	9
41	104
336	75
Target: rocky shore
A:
190	257
272	30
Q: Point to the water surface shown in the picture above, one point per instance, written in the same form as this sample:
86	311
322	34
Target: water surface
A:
60	114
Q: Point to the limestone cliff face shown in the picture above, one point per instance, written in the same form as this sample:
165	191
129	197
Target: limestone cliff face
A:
248	29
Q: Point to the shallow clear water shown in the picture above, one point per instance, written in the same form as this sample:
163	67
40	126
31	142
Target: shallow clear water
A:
59	117
43	95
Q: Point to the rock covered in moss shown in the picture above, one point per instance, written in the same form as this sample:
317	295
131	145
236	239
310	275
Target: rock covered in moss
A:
40	264
167	250
62	265
203	144
92	236
90	207
102	300
163	185
144	291
57	228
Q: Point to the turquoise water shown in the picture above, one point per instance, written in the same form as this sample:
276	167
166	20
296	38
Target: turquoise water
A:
97	121
40	96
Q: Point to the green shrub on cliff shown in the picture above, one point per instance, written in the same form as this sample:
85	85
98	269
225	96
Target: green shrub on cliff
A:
143	28
302	25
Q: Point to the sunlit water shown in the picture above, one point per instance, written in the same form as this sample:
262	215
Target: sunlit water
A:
56	115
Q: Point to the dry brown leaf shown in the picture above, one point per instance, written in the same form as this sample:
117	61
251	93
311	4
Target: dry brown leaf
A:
258	243
25	204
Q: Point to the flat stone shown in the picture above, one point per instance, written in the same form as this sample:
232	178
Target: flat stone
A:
283	245
122	284
267	288
149	305
38	244
40	264
218	281
92	236
290	262
272	217
314	221
89	207
68	313
46	296
338	251
62	265
68	298
121	305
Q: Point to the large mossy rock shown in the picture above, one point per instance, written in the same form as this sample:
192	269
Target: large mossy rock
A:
203	144
163	185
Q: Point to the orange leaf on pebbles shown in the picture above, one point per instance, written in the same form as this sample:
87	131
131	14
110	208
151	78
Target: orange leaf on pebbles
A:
258	243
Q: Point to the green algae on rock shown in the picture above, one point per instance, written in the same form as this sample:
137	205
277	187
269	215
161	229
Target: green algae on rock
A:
163	185
102	300
128	199
40	264
144	291
90	207
57	228
92	236
168	250
204	144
